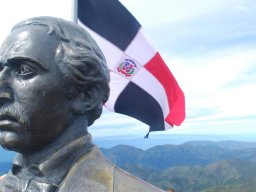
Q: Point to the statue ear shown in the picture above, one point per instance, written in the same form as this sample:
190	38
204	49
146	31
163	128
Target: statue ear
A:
86	100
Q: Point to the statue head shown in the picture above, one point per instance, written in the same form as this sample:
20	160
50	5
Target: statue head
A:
51	73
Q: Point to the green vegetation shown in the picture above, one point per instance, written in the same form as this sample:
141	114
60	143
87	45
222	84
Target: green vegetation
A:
201	166
192	167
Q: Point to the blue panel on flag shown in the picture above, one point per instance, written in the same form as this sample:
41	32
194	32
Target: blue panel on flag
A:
137	103
110	19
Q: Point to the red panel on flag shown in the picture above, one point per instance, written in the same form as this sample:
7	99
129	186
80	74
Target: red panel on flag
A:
158	68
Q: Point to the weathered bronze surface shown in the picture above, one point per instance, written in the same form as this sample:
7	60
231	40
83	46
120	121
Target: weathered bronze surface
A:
53	83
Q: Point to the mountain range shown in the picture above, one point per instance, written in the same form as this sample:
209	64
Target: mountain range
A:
201	166
196	166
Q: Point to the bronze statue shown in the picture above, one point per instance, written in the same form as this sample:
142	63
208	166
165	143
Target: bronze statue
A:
53	84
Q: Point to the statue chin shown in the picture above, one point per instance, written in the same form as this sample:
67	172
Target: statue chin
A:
11	140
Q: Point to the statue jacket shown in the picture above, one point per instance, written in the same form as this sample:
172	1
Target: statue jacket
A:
94	173
62	171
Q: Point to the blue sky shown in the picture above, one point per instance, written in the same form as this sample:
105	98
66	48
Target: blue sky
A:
210	46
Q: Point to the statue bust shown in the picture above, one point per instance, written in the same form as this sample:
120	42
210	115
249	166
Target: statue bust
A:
53	84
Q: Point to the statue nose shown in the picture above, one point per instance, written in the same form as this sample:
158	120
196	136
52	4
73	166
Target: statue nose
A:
5	96
3	76
5	90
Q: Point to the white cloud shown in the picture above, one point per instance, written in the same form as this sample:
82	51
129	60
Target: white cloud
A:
114	124
206	82
150	12
13	11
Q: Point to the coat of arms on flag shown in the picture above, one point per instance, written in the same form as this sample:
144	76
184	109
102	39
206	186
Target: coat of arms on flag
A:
127	67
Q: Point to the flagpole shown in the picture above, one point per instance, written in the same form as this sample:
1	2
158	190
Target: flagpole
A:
74	11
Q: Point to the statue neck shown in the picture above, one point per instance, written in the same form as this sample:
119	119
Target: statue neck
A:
77	129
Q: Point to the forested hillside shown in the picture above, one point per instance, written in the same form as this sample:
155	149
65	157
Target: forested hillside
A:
200	166
193	166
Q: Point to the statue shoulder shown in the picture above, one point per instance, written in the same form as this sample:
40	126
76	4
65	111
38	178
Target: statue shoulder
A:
92	172
125	182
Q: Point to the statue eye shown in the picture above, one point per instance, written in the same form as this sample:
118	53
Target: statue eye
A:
25	71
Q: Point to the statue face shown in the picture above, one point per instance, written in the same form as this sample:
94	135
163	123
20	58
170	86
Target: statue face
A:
33	107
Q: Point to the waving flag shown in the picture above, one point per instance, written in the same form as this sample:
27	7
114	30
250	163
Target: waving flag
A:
141	84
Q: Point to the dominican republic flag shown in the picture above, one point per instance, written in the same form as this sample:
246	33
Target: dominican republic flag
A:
141	84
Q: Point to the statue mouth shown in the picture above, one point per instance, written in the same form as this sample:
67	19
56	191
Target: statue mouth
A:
8	123
7	117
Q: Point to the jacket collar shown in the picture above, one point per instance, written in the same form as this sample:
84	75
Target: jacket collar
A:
54	165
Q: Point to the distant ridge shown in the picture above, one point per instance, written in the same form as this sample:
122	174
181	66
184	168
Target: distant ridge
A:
198	166
177	139
194	166
190	153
